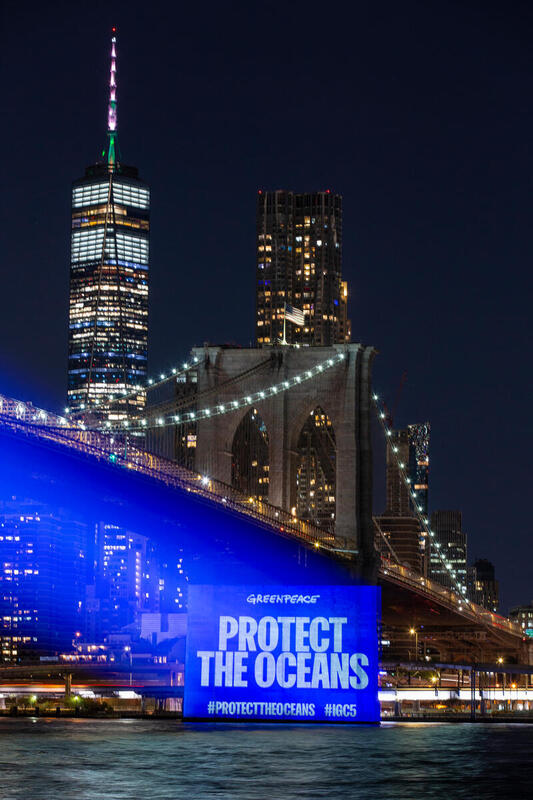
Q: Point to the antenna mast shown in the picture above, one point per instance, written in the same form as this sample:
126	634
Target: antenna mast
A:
112	105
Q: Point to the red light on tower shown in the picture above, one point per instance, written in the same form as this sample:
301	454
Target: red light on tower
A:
259	191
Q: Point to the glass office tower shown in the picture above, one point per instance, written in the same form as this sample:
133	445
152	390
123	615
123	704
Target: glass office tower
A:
419	462
449	535
108	319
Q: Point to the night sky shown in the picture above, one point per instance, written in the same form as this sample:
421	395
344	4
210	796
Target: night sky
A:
418	113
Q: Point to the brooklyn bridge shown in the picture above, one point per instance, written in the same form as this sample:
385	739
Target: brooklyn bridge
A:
210	455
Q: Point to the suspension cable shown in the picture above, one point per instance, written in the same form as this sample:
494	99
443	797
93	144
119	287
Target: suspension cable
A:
424	521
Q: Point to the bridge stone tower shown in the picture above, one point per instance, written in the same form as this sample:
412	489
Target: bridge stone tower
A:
343	392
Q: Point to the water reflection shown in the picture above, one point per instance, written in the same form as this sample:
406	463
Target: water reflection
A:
116	759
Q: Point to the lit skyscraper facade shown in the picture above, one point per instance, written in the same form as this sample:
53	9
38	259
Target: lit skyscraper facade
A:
299	263
43	572
419	462
448	547
121	585
108	319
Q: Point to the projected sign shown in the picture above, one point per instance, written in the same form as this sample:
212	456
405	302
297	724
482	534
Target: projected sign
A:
291	653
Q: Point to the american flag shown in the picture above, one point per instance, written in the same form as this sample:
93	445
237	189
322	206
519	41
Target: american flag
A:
294	315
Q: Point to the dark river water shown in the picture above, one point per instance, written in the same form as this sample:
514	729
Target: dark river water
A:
88	759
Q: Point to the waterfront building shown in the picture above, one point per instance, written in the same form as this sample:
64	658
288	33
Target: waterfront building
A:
299	264
157	628
482	584
43	572
108	317
171	581
448	547
419	462
523	615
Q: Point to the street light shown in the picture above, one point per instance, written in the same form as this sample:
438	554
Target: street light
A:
127	649
414	633
500	661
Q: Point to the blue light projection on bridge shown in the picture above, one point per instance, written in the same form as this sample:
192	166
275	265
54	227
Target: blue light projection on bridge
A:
110	550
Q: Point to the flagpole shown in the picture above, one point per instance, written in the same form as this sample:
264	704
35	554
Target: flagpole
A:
284	341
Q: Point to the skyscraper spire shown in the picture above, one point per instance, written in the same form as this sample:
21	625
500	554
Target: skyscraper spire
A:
108	271
112	104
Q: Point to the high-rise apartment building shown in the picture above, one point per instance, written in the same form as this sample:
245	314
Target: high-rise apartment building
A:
108	318
299	263
132	576
419	463
122	585
448	546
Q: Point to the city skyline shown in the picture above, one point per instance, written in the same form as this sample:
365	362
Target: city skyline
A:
462	415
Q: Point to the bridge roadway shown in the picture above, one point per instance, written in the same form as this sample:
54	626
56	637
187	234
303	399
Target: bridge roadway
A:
489	686
444	621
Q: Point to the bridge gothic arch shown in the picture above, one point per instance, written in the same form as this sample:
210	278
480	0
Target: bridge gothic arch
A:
250	456
342	392
313	493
